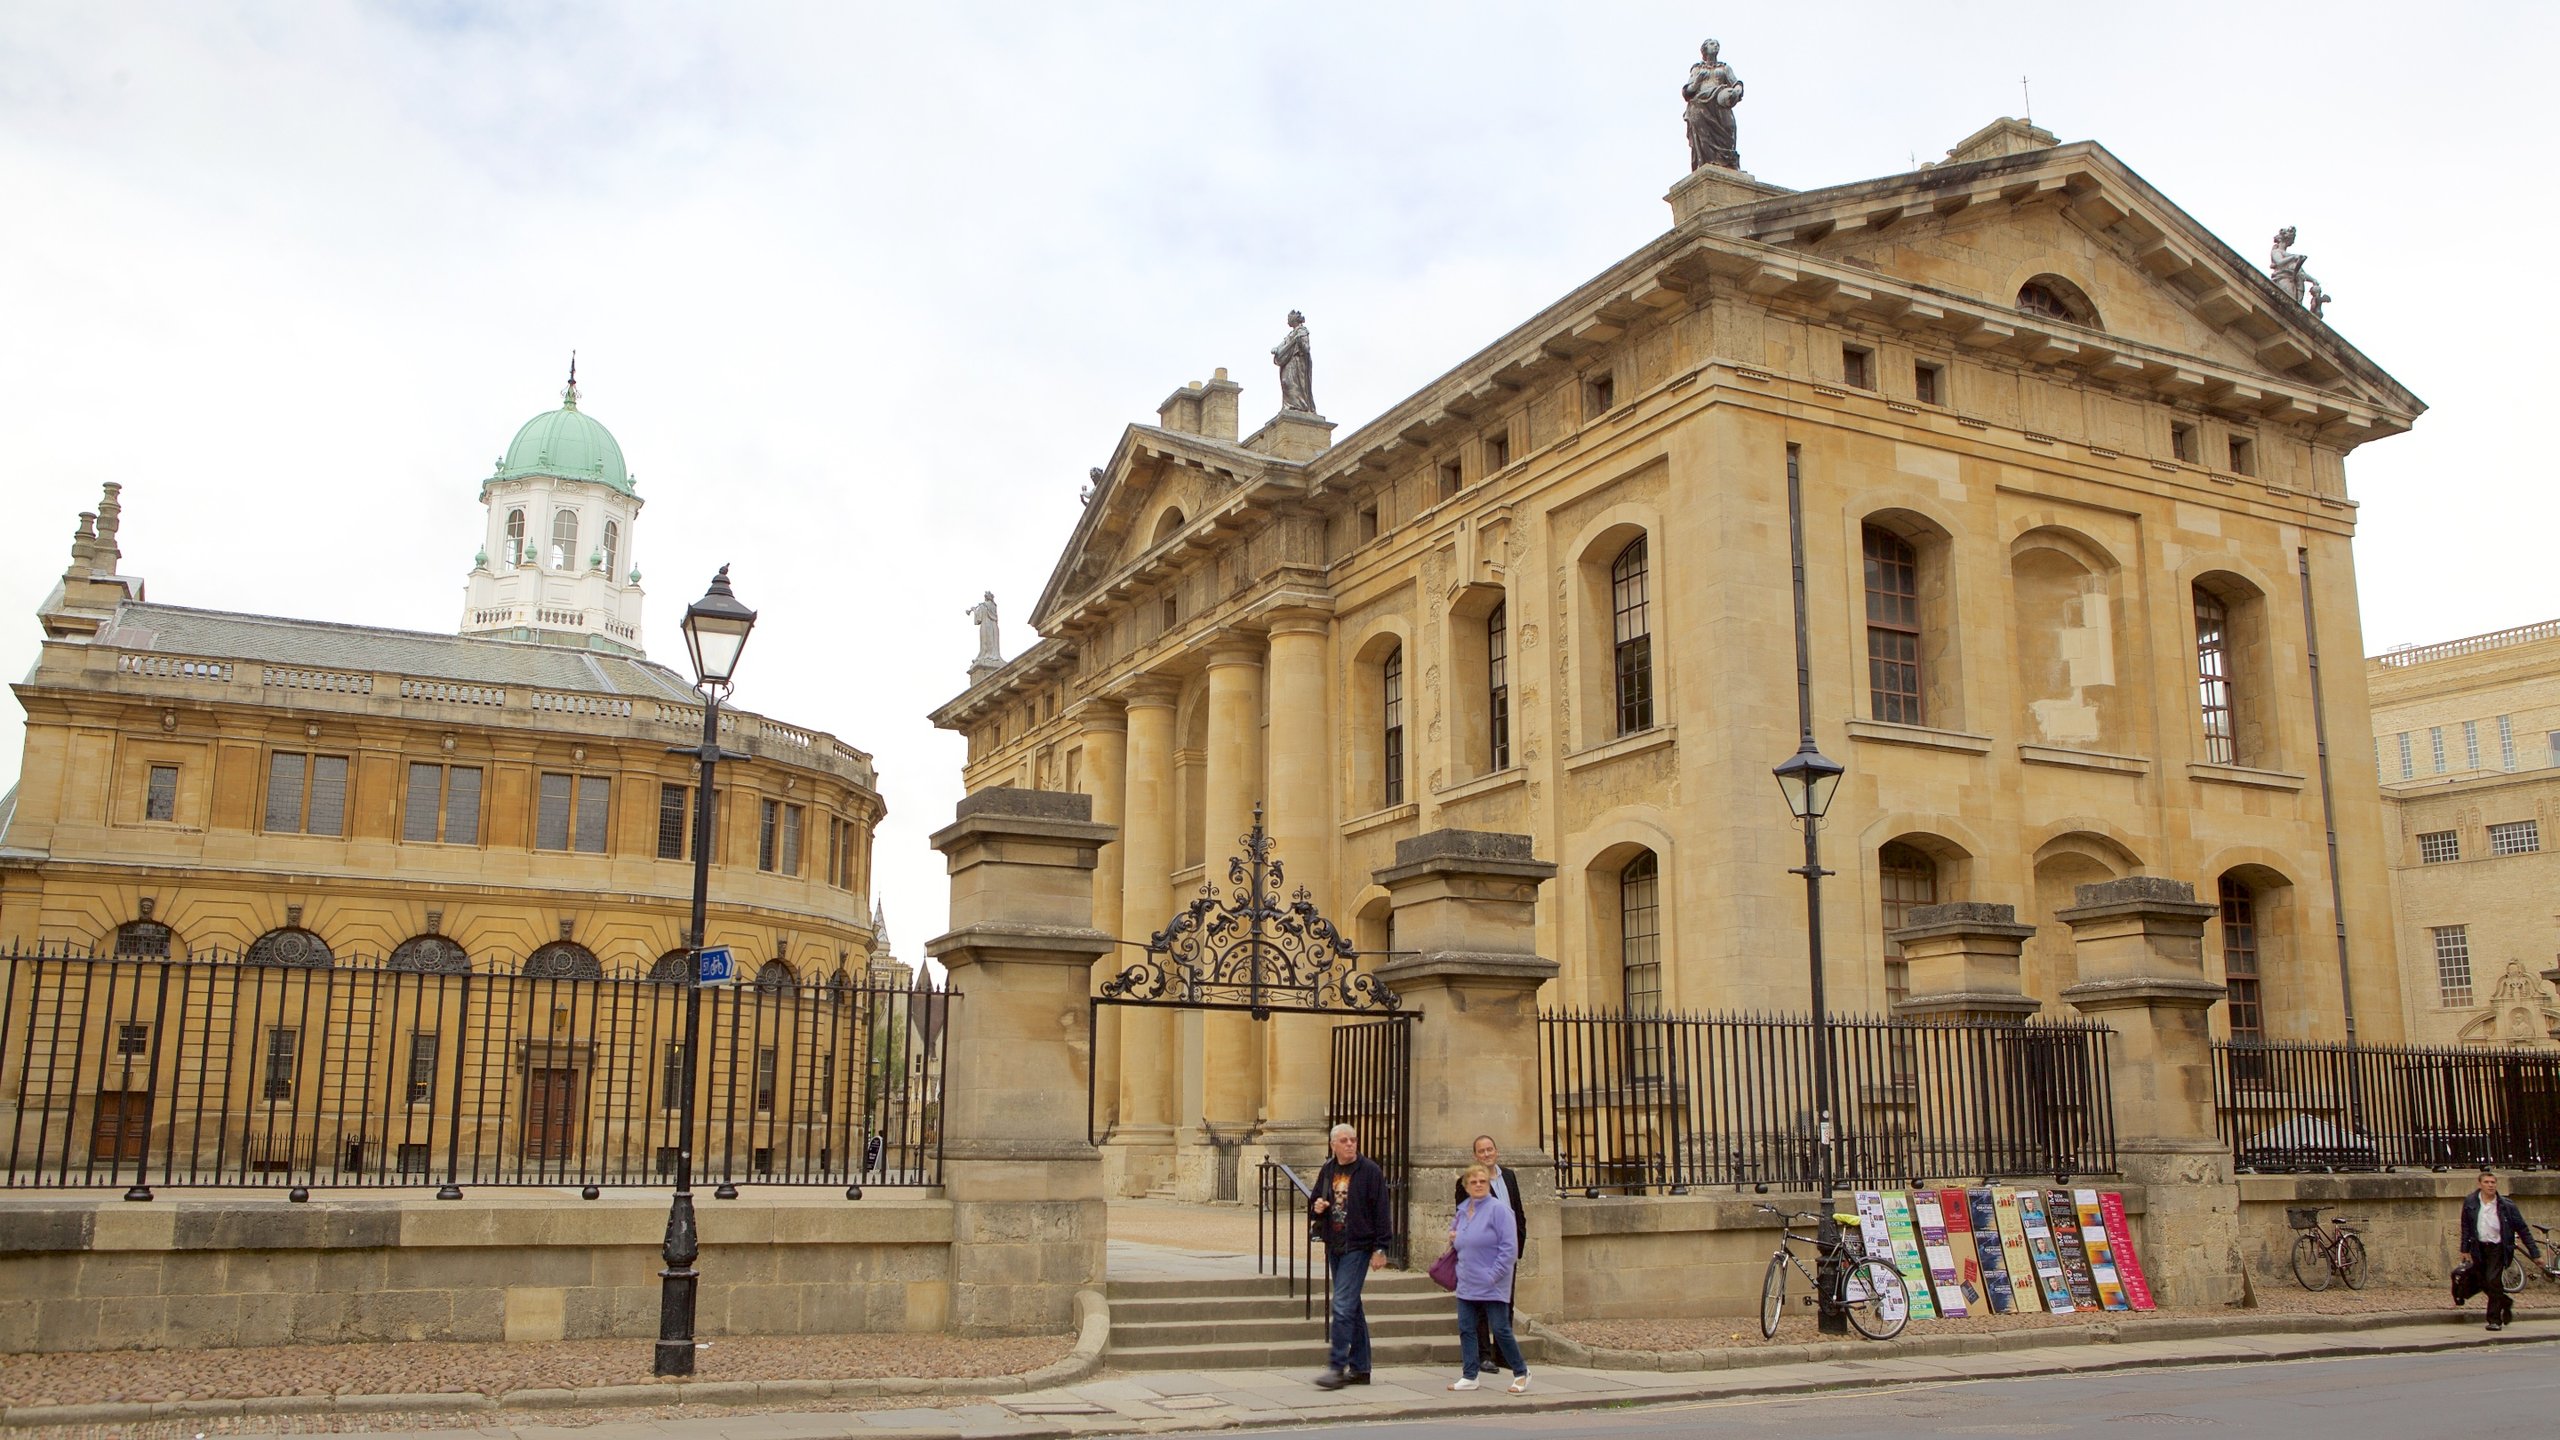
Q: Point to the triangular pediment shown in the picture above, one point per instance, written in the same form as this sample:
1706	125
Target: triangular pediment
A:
1156	487
2155	282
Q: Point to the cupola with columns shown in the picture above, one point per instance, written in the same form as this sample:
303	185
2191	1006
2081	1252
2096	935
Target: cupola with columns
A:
557	563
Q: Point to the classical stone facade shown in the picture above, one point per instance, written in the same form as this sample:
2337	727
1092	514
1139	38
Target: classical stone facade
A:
2075	512
2466	735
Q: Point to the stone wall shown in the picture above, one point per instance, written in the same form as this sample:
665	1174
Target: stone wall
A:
2408	1220
97	1273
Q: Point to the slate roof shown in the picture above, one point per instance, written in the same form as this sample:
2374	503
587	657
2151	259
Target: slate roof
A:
272	640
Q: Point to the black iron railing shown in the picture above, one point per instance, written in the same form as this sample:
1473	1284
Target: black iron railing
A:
1286	1243
142	1071
2298	1108
1649	1103
1371	1090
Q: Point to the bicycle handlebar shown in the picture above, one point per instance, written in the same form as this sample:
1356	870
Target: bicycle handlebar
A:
1791	1214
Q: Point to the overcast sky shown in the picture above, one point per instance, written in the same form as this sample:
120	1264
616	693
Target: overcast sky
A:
864	290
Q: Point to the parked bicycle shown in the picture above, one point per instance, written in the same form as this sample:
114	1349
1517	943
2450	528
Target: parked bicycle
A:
2322	1253
2520	1269
1871	1290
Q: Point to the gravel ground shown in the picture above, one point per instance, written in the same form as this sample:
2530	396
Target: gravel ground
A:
1743	1331
422	1367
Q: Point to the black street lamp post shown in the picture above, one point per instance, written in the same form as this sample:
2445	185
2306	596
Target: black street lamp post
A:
715	631
1808	779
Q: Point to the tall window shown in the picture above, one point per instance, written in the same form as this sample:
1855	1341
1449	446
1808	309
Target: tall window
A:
2470	744
671	1073
1893	629
281	1045
572	812
612	548
1640	934
564	539
2408	767
443	805
1908	879
2213	675
1391	722
767	1066
1632	627
2240	960
306	794
675	822
160	795
778	841
515	537
2435	746
1497	684
2453	964
422	1066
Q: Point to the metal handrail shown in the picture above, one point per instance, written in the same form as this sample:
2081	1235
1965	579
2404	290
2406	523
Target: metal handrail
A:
1274	1254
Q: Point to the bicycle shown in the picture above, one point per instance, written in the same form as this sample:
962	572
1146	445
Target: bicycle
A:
2519	1270
1869	1289
2332	1251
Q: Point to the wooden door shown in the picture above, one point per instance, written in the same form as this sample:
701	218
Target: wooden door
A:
550	1113
122	1130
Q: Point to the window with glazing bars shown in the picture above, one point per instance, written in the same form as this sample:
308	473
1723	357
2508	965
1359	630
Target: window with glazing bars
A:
2213	676
281	1044
2470	744
2436	847
778	844
442	806
2507	743
1640	960
570	813
671	1076
2435	746
2240	961
564	539
160	797
2515	837
2408	766
2453	963
766	1068
1632	626
306	794
515	537
675	822
1893	629
1391	721
1908	879
1497	685
422	1066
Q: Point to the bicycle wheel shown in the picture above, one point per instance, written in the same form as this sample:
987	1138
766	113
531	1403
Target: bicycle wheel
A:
2351	1267
1773	1296
2512	1278
2310	1261
1887	1307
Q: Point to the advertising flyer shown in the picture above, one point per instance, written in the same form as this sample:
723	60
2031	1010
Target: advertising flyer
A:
2023	1276
2066	1242
1906	1254
2102	1256
1944	1282
1996	1283
2120	1236
2048	1260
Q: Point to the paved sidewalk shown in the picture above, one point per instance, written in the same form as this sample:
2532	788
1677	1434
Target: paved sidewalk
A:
1171	1402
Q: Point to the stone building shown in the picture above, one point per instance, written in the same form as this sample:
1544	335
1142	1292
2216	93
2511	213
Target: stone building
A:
2074	500
2466	736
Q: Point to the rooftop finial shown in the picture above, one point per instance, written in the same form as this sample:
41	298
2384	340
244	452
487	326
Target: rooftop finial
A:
569	397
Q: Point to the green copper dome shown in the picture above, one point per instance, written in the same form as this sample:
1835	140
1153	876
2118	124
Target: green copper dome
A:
568	444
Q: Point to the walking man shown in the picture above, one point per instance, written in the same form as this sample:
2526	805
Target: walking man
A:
1350	1203
1506	1188
2492	1228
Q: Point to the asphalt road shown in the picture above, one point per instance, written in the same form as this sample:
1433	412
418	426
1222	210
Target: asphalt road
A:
2511	1391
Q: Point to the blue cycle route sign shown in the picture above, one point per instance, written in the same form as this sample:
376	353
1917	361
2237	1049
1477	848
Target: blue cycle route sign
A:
715	966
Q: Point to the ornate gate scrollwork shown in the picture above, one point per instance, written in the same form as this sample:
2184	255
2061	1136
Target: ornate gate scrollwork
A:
1247	950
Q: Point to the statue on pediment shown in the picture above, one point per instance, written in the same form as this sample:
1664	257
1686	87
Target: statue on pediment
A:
990	634
2286	268
1297	362
1712	90
1092	486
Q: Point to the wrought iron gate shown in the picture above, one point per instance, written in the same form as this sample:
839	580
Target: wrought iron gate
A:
1369	1091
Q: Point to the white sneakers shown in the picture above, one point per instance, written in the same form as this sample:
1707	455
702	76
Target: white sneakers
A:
1519	1386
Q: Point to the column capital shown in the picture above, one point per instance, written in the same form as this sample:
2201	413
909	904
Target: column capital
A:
1300	622
1099	712
1233	647
1138	691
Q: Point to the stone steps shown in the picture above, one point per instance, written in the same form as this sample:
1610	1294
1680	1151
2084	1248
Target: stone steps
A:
1256	1323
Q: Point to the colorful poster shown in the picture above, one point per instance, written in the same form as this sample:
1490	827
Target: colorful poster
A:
2102	1255
2066	1241
2023	1276
1959	1215
1905	1239
2048	1260
1875	1235
1995	1256
1944	1282
2128	1265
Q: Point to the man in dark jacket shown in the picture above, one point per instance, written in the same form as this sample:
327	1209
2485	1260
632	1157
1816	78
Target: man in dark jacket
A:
1506	1187
1350	1206
2492	1228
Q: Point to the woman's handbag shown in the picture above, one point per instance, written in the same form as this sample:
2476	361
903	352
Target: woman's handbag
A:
1444	1271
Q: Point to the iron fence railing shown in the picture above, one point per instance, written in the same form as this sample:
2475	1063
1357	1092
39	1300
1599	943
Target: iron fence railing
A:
2302	1107
1654	1102
214	1070
1286	1246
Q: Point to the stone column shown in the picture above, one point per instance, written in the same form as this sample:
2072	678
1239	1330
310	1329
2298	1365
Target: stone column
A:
1465	906
1963	959
1231	1041
2139	945
1028	1225
1105	733
1299	814
1142	1147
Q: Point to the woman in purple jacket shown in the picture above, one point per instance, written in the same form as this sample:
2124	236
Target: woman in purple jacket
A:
1488	1245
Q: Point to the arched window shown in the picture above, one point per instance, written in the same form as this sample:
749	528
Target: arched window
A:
2055	298
564	539
144	940
1391	726
612	547
1631	627
290	946
429	955
515	537
563	960
2213	676
673	968
1907	879
1640	934
775	978
2240	961
1497	683
1893	629
1166	523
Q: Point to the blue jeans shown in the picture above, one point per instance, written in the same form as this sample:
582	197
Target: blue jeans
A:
1348	1333
1497	1315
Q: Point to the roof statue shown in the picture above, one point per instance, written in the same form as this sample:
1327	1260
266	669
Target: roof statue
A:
990	636
1297	364
1712	91
1093	486
2286	267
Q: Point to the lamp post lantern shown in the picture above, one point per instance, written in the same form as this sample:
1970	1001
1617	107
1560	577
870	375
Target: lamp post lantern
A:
1808	779
715	632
